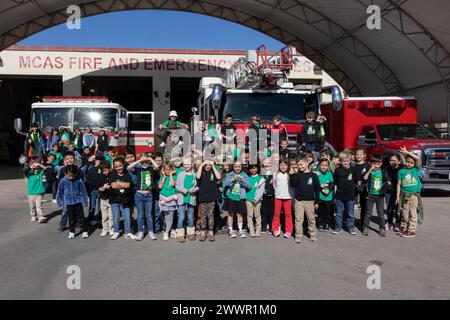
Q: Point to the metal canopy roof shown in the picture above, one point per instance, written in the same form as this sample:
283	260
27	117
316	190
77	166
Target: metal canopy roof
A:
408	56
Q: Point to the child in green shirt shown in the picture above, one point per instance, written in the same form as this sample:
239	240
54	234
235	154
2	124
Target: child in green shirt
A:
173	118
253	201
167	196
36	190
58	155
408	193
325	214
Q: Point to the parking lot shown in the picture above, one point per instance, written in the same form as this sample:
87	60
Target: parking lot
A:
35	258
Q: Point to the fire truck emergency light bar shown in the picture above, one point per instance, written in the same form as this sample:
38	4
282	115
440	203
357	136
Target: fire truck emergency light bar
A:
93	99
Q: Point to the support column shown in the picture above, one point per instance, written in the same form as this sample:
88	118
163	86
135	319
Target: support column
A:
72	86
161	104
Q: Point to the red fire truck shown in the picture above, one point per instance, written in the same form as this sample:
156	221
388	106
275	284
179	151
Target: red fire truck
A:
382	125
133	130
258	84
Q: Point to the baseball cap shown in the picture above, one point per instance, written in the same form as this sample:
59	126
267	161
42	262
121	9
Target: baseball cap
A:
173	113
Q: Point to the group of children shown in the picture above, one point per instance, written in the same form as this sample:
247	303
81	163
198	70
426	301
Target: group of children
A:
190	199
62	139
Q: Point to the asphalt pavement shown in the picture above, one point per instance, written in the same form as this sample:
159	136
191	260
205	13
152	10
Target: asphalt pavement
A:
34	259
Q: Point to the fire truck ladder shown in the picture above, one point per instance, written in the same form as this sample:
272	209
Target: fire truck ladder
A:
259	69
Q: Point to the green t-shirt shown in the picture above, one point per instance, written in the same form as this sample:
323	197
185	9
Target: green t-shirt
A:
58	158
109	159
167	190
167	122
235	192
326	177
65	136
254	181
145	180
410	180
177	172
77	141
212	132
35	184
376	182
188	184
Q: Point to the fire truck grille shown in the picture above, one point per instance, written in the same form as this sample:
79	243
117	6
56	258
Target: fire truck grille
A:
438	158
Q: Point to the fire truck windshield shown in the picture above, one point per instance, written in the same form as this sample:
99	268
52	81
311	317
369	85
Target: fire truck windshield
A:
292	107
52	117
392	132
82	116
95	118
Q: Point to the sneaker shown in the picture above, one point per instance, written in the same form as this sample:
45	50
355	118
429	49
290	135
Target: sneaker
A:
287	235
152	236
321	228
298	240
401	231
202	236
352	231
276	234
242	234
104	233
252	234
263	231
232	234
129	236
139	236
198	232
111	233
313	238
258	233
336	231
42	220
85	235
71	235
386	226
408	234
115	236
173	234
166	236
382	232
162	144
211	236
396	228
327	228
33	219
54	201
366	231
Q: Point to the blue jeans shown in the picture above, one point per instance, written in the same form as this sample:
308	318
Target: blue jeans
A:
144	204
94	202
182	211
159	221
310	146
349	206
117	209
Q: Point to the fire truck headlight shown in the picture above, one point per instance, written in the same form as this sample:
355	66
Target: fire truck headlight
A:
95	116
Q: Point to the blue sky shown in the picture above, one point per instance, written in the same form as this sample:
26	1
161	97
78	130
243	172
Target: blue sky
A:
154	29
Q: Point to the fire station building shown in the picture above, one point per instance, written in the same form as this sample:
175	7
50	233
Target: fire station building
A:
156	80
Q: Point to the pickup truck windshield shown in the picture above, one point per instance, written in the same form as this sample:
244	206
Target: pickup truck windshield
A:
291	107
391	132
